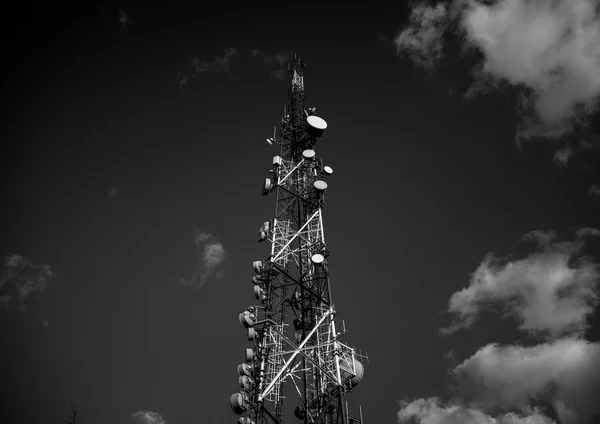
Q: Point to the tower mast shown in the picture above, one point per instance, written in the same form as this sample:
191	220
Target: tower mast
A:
296	355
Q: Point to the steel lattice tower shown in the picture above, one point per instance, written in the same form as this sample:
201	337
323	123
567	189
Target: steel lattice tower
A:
296	346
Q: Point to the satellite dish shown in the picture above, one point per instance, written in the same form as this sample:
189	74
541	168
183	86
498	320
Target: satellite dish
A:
308	154
239	402
315	126
267	186
244	369
247	319
352	379
261	235
317	259
327	170
258	291
320	186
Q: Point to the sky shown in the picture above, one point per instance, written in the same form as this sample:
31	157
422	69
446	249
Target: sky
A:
462	215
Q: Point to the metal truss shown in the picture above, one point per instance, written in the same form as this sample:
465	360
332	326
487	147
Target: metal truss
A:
297	351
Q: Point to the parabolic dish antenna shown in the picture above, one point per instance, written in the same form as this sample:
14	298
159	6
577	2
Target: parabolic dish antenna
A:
315	126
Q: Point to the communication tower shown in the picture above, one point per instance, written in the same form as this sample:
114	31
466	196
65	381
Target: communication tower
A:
296	352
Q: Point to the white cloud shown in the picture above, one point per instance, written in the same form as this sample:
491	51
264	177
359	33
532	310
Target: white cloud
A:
550	50
551	290
148	417
432	411
20	279
200	236
214	253
565	373
423	39
210	257
198	67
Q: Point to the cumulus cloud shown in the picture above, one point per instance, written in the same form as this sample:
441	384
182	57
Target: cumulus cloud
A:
148	417
564	373
433	411
552	291
549	50
21	279
211	254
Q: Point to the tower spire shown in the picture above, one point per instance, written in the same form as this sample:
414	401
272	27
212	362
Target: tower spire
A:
296	352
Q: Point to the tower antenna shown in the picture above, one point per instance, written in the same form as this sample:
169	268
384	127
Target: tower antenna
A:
296	354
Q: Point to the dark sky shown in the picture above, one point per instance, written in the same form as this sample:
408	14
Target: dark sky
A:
111	161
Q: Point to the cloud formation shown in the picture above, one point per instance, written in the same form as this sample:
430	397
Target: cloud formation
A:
565	373
198	67
422	40
148	417
200	236
21	279
433	411
548	50
211	254
552	291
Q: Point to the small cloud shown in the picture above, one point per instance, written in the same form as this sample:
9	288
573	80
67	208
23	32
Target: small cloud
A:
553	290
198	67
21	279
200	236
562	156
211	255
148	417
124	19
422	40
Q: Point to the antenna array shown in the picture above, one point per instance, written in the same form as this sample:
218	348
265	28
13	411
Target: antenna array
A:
296	350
